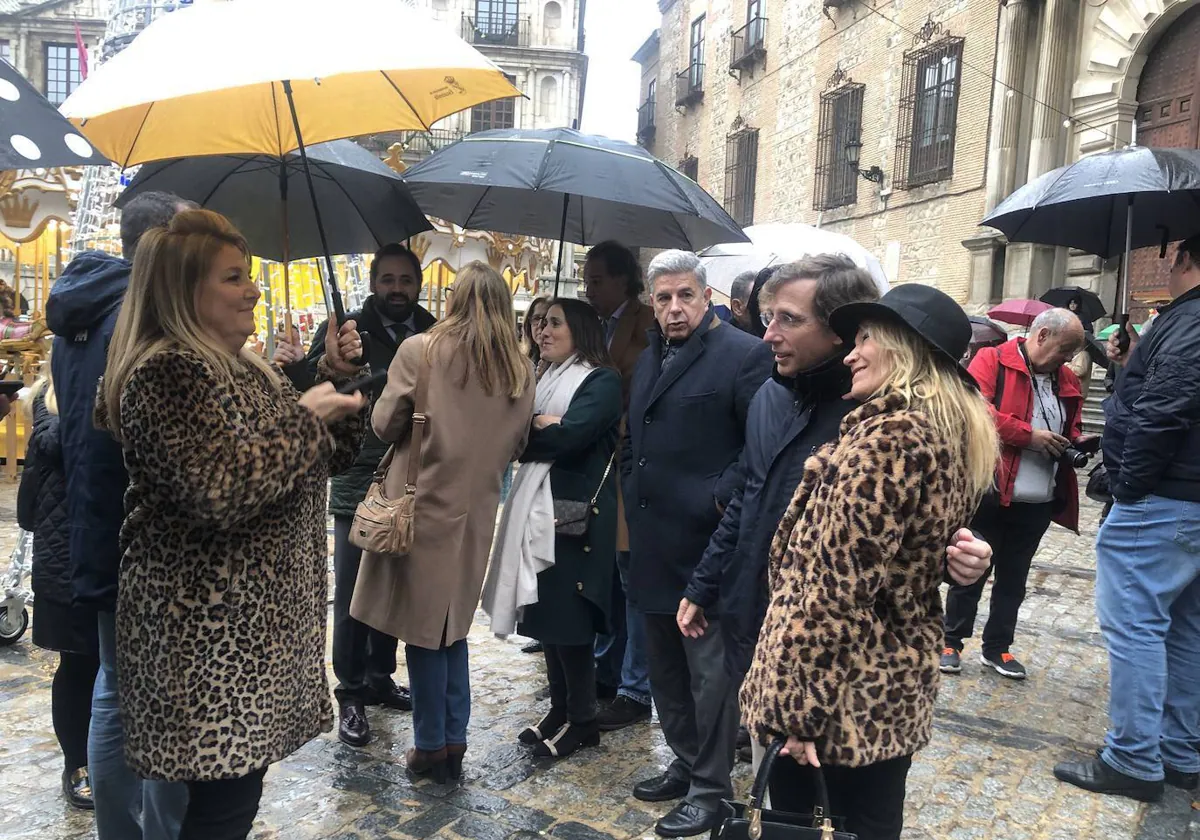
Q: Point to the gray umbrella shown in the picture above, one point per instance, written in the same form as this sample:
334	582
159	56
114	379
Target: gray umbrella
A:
364	204
560	184
1108	204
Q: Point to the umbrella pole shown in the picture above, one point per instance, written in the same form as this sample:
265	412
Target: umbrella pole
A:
1123	296
562	236
287	285
339	311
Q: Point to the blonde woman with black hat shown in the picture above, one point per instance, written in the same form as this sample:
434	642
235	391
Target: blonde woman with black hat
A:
846	667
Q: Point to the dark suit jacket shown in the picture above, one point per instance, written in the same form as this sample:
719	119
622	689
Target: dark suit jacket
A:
627	345
679	459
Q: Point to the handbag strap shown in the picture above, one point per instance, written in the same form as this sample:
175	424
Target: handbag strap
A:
419	419
758	794
603	479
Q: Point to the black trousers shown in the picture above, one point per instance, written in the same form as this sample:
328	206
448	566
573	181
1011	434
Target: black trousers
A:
571	672
71	705
1015	533
870	799
363	657
222	810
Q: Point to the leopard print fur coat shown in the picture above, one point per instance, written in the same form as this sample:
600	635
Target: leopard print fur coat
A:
848	652
222	603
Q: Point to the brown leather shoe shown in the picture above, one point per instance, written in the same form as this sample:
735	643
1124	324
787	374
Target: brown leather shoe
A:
425	763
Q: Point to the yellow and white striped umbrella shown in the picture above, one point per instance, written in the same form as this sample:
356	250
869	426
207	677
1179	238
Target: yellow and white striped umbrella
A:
210	79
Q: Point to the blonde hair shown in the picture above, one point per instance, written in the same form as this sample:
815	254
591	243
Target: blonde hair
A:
481	317
159	312
43	387
930	384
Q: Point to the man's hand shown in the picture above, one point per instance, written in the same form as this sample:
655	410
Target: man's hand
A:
543	421
342	346
1113	348
287	353
968	558
691	620
1048	443
804	752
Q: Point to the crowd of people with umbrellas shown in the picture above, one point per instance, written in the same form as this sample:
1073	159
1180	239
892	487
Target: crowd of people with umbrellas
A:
661	449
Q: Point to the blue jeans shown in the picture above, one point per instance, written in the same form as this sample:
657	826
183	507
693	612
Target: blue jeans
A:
440	682
1148	603
127	808
634	668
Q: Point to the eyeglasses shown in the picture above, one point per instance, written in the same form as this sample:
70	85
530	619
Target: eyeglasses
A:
537	319
786	321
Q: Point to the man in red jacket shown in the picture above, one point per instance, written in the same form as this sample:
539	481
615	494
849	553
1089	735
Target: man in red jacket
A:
1037	405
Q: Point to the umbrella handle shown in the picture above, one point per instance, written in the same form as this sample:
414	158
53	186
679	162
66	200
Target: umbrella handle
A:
1123	334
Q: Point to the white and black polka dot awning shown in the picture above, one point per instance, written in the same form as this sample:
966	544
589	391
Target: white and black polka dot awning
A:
33	135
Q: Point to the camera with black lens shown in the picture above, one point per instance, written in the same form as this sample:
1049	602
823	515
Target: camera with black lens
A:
1072	457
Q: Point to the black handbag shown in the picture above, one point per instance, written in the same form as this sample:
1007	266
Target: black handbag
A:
753	822
1098	489
572	519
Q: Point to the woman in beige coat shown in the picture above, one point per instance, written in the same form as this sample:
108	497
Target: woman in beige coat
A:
479	404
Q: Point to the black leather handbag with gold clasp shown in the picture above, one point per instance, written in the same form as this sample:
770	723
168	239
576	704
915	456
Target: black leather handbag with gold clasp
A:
572	519
754	822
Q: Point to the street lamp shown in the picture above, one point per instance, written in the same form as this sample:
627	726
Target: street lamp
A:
853	151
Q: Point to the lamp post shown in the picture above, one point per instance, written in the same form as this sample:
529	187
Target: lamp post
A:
853	152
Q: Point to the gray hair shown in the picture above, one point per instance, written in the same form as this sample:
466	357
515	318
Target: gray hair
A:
1055	321
677	262
742	284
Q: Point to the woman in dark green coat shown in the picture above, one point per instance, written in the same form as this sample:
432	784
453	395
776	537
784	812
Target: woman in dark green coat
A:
575	594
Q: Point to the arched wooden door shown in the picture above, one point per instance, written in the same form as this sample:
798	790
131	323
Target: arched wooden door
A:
1168	116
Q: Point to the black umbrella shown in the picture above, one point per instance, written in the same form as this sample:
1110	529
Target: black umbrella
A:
1108	204
561	184
1091	308
364	203
985	331
33	135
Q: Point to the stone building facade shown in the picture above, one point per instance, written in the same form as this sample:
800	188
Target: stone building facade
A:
38	38
784	108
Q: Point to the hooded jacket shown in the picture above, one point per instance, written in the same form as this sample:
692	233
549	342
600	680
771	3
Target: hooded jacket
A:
42	508
82	311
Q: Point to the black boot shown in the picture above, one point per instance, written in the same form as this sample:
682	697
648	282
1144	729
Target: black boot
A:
570	739
548	728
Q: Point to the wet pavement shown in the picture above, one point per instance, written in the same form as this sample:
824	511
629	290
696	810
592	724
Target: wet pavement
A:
986	776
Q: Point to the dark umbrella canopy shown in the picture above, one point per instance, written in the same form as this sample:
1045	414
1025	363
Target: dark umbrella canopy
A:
1085	205
32	132
986	331
364	204
523	181
1091	308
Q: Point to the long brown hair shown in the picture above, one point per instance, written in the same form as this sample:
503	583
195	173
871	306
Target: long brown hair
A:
531	347
586	332
481	318
159	312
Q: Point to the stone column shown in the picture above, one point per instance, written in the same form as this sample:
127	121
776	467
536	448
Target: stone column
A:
1047	265
982	268
1012	53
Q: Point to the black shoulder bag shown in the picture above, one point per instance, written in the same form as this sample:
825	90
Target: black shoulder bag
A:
753	822
571	518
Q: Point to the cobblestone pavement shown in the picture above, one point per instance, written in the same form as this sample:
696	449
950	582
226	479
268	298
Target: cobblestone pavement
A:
986	776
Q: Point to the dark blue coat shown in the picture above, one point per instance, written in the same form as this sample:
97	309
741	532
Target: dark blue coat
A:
1152	420
679	458
788	420
82	312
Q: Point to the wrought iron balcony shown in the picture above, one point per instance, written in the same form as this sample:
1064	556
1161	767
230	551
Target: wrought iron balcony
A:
646	128
689	86
497	30
748	45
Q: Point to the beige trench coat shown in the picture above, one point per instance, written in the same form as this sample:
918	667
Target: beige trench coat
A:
429	597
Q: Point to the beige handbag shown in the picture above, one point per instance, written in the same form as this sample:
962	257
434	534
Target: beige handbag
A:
383	525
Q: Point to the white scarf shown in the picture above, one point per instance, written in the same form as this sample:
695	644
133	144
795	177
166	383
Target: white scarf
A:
524	544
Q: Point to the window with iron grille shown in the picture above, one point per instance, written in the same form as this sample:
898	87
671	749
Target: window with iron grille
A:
741	173
499	113
690	166
62	72
928	113
840	124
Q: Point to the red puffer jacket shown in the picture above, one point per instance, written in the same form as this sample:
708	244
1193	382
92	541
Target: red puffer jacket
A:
1002	370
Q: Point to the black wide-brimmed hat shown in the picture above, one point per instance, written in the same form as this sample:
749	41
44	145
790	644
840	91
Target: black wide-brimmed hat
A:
931	314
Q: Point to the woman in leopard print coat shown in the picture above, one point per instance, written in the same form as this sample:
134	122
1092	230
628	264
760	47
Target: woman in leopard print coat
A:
222	602
846	666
